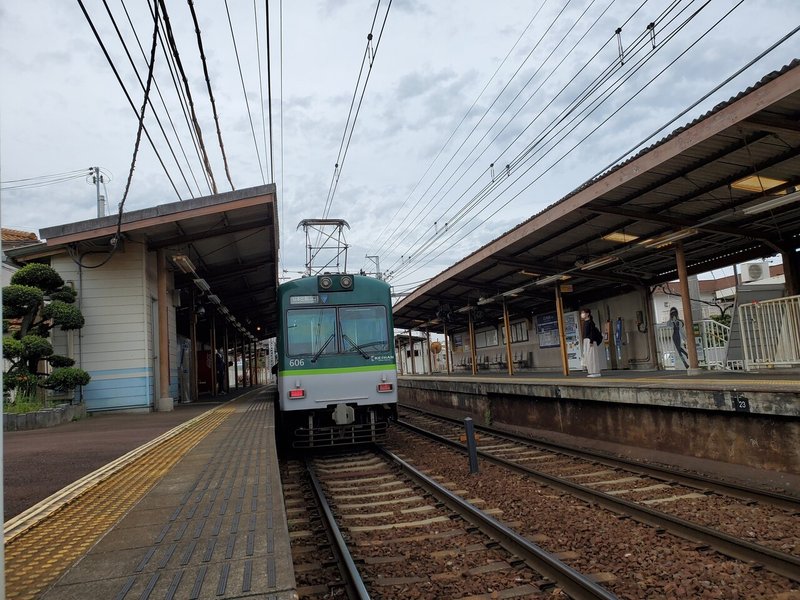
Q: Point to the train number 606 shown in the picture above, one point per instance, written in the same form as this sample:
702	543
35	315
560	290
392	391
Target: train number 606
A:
296	362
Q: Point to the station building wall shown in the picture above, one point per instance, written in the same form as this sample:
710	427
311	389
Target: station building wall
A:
115	345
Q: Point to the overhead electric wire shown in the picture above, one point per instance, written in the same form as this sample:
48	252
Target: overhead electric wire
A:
349	127
570	150
260	78
127	95
487	189
44	180
269	99
244	91
281	201
176	55
409	212
158	90
484	193
431	204
169	58
117	241
210	91
141	84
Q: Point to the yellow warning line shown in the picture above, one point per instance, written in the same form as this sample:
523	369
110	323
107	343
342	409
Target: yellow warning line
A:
60	530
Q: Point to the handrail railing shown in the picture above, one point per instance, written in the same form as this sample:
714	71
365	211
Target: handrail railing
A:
771	333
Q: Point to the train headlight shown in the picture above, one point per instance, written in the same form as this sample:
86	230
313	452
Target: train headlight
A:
385	387
325	282
346	282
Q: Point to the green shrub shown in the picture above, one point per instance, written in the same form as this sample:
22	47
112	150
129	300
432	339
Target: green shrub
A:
35	347
19	300
12	348
38	275
63	314
66	378
64	294
60	361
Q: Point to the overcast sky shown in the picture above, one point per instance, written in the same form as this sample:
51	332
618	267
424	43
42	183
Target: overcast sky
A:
501	78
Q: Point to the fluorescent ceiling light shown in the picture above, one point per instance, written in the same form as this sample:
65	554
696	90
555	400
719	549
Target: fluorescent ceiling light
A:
598	262
463	309
214	298
514	292
529	273
202	284
668	238
772	203
224	310
183	263
757	183
551	279
619	236
482	301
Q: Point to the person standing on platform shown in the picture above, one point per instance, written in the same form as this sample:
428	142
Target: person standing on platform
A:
220	363
592	338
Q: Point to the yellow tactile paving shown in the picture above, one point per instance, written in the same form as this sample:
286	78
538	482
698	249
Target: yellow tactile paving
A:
36	557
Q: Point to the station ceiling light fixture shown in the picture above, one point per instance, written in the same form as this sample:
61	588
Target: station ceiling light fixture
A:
598	262
552	279
668	238
183	263
482	301
202	284
772	203
214	298
620	236
513	293
757	183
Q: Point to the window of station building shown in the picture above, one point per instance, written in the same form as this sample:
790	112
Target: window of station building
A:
484	339
519	332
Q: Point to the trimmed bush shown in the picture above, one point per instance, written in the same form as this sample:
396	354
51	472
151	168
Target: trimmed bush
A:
66	315
38	275
66	378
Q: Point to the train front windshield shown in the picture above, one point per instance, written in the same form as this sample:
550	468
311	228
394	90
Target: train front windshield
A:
318	331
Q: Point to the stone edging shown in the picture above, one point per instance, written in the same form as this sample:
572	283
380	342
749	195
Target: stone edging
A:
47	417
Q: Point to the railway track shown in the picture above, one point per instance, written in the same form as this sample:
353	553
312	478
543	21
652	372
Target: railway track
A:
761	529
400	534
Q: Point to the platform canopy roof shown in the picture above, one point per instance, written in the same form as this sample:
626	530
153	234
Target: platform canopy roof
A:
724	186
229	239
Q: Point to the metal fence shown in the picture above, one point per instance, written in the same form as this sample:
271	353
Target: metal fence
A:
771	333
711	339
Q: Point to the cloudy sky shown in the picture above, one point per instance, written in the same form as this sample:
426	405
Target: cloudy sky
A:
537	89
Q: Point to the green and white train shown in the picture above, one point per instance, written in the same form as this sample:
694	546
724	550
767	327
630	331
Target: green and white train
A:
337	377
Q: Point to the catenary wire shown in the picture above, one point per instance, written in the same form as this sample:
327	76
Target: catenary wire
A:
149	101
417	253
570	150
179	65
127	95
269	99
158	89
260	78
409	212
244	91
210	91
140	128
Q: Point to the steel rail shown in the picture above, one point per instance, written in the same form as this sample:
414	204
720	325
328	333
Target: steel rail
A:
778	562
661	472
355	583
575	584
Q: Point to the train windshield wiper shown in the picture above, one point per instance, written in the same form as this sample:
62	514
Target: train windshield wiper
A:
356	347
321	350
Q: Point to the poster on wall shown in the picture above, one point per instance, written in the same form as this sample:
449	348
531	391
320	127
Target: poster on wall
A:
572	331
547	330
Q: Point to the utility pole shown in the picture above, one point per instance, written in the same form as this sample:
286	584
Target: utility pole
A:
97	179
377	262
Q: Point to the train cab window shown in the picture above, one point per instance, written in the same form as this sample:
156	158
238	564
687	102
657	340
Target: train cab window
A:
364	329
311	330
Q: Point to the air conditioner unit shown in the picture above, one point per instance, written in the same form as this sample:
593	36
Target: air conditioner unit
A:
755	271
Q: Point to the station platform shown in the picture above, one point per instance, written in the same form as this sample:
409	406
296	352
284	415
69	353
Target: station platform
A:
195	513
750	419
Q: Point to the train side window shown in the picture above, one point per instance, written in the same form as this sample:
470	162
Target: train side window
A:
310	329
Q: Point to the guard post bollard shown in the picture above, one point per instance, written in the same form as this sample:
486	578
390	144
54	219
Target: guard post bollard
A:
472	447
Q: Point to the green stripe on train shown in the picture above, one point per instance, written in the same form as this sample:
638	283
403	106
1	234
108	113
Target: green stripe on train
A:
333	371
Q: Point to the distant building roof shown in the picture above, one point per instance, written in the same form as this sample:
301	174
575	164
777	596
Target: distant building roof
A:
16	237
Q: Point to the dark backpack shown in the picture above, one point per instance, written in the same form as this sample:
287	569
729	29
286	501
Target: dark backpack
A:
595	335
